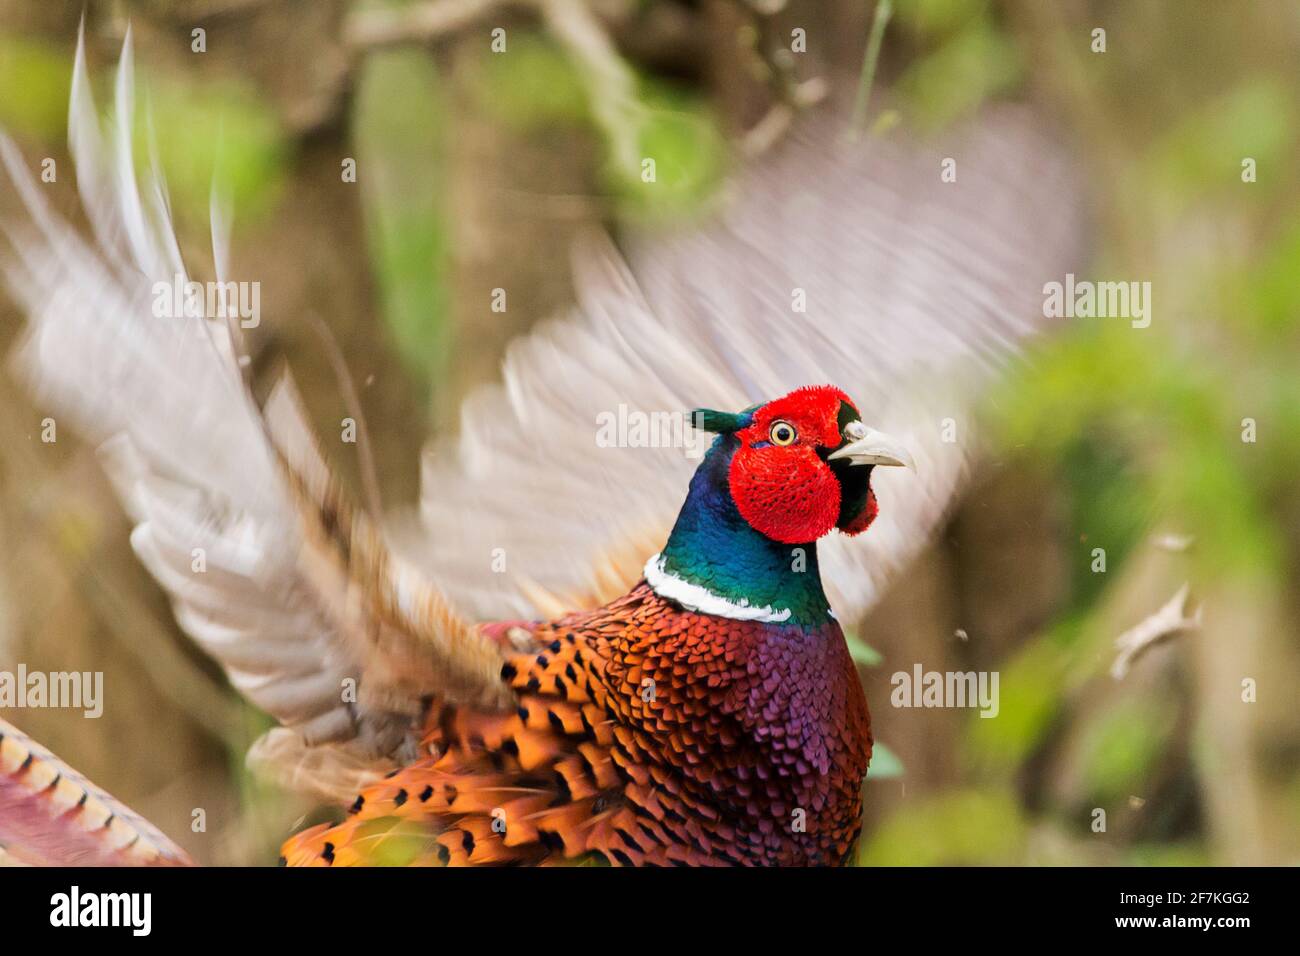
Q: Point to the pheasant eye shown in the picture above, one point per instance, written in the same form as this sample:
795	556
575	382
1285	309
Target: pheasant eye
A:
782	433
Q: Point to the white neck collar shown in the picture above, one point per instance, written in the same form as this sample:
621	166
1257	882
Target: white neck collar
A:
694	597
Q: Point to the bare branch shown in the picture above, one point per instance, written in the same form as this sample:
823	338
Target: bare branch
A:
420	23
611	84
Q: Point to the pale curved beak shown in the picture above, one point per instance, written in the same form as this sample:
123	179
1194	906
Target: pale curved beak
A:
875	448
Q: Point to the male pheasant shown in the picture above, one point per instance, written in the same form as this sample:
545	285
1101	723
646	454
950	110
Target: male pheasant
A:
699	707
712	715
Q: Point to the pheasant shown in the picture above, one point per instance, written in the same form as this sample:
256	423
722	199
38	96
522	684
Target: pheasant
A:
644	689
710	715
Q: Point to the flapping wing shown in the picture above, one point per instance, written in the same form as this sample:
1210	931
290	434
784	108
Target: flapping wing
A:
851	263
237	516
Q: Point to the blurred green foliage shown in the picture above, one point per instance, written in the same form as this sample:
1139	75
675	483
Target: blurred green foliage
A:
960	827
533	88
1030	698
1257	116
968	59
678	132
538	86
218	131
1122	744
1176	419
34	85
1106	498
221	133
400	130
1141	428
939	17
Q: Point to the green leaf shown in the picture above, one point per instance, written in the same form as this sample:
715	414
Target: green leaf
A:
680	135
862	652
974	65
885	764
400	132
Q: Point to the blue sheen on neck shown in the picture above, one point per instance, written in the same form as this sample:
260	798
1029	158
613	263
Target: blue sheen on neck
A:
714	547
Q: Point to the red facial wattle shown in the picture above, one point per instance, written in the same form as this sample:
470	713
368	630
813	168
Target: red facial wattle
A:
866	514
788	492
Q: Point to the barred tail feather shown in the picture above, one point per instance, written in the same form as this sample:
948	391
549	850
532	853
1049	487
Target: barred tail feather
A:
51	815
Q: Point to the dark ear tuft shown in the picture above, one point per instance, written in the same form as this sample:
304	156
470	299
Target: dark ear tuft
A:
723	423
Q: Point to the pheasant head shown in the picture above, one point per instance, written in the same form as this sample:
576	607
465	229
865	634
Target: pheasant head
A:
779	476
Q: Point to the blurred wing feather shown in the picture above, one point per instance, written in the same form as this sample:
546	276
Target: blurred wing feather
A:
235	512
917	292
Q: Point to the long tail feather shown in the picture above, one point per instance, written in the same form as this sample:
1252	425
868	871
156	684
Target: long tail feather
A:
53	816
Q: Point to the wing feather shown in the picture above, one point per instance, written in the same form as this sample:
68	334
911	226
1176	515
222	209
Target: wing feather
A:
918	291
234	518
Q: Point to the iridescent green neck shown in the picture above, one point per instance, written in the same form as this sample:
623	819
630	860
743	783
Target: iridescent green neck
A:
714	548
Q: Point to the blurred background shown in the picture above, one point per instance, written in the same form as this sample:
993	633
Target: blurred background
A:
476	171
